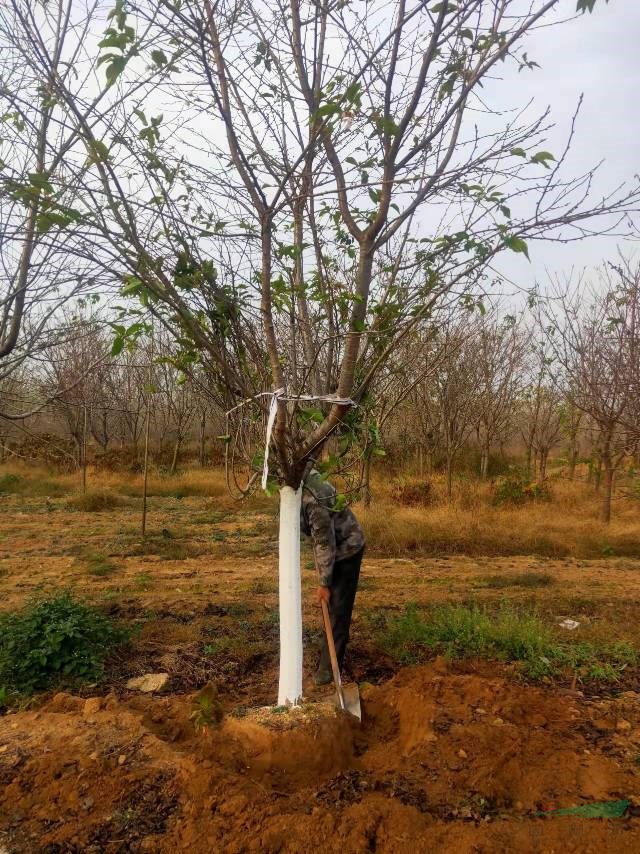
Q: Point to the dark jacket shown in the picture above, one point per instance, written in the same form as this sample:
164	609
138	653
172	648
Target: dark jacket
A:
336	534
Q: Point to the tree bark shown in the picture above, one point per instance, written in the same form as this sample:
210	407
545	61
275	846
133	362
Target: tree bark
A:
366	481
174	459
597	474
605	508
290	598
449	476
544	455
484	462
203	427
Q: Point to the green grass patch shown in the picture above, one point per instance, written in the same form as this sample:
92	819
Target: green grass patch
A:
143	581
55	640
99	565
509	634
520	579
10	483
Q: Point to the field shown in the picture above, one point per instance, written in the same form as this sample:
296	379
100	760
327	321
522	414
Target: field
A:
480	710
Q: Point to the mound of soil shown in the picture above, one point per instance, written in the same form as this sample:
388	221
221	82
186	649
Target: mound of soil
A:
446	759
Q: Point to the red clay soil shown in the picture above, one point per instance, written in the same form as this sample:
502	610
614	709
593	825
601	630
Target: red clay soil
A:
445	760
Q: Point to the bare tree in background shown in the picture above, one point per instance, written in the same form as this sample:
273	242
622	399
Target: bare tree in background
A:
501	355
455	391
597	342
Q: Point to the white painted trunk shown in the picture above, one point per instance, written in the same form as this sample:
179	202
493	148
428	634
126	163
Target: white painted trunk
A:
290	686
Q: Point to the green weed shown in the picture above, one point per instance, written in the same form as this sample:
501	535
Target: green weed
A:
100	565
54	639
460	631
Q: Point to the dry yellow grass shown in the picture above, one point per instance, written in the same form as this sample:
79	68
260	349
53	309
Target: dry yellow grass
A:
567	525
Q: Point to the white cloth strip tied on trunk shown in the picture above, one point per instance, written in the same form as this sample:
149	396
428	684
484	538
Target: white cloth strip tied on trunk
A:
289	588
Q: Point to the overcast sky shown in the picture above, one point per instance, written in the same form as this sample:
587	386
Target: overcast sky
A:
596	54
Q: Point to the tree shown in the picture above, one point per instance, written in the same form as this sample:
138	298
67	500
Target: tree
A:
456	393
597	344
265	219
500	355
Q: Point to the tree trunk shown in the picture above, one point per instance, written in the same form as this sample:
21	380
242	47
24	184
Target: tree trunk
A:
174	459
484	462
290	598
449	476
203	427
605	508
573	460
366	481
421	461
598	474
529	456
544	455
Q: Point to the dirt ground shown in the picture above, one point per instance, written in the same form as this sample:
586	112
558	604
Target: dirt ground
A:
451	757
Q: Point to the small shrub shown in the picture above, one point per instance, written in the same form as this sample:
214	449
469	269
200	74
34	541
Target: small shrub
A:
206	709
10	483
517	488
54	639
100	565
411	493
94	502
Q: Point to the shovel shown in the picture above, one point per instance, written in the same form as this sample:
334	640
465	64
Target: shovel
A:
347	696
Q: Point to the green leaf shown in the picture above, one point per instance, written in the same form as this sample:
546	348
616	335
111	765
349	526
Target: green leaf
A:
116	66
360	326
118	344
159	58
586	5
340	503
328	109
140	115
98	152
600	809
40	180
505	211
517	244
518	152
542	157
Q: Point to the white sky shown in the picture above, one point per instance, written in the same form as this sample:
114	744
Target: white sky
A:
596	54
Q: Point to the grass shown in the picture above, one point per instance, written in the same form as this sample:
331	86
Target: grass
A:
99	565
94	501
519	579
566	526
461	631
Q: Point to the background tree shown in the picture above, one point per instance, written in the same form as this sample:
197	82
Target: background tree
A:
597	344
500	360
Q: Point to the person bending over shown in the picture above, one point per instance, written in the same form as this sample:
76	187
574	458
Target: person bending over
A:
338	546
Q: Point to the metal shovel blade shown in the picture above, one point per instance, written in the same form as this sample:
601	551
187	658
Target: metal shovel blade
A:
351	696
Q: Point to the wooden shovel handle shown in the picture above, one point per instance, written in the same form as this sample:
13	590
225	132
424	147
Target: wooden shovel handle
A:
332	653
